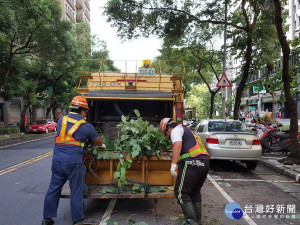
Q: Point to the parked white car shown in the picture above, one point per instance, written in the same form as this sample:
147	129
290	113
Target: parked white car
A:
230	140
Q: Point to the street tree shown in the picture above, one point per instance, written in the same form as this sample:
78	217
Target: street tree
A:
266	56
175	20
27	27
199	97
286	77
201	67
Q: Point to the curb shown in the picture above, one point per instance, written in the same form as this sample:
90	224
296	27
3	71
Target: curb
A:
281	169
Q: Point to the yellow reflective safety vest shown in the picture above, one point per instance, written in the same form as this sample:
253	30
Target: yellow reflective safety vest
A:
196	150
67	138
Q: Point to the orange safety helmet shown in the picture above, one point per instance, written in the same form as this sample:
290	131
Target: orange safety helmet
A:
163	125
79	101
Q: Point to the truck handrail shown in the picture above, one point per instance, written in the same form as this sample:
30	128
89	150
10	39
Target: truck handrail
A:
141	77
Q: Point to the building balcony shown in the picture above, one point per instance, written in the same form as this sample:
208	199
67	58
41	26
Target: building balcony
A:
79	4
70	15
87	15
87	3
71	3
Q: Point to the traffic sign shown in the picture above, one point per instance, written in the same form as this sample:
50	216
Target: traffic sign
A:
224	82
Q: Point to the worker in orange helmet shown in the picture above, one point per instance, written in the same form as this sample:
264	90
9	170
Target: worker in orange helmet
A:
67	164
190	165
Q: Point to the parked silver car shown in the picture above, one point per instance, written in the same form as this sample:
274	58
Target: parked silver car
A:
230	140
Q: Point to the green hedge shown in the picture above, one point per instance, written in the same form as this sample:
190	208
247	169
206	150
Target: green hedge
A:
9	130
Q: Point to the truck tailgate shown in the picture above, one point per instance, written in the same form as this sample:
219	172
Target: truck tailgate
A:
150	171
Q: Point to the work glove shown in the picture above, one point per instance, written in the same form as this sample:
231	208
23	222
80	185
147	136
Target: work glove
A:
103	146
173	169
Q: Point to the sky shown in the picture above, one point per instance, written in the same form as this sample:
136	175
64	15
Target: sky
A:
137	49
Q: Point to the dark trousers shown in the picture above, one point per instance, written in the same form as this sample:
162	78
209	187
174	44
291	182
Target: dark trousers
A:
61	172
190	179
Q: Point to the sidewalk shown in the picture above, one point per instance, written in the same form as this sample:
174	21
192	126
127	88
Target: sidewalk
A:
286	121
270	160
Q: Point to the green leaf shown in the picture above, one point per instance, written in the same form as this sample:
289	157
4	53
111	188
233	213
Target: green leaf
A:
115	155
137	113
124	119
109	221
135	153
95	152
123	170
103	190
133	142
124	137
131	222
106	155
157	189
117	175
100	155
174	218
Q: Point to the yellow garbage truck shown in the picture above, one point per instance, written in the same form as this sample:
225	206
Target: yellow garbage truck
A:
155	89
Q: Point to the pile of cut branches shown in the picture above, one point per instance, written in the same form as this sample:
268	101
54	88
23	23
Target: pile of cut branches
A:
135	138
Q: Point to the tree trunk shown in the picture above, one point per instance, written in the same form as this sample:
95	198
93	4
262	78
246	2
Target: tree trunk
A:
291	103
212	99
22	125
274	107
270	67
244	79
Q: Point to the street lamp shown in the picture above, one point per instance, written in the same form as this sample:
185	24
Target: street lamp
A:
224	63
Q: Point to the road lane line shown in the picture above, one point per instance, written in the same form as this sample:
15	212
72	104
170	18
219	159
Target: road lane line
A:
24	142
25	163
108	212
229	199
254	180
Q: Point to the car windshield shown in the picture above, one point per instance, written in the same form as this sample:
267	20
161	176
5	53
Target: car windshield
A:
41	122
227	126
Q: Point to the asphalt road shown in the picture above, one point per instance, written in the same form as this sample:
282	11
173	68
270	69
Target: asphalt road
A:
266	197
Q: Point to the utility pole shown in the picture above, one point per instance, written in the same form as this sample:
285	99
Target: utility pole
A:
224	64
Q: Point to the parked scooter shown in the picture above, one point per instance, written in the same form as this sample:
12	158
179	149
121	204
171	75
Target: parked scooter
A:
272	140
193	124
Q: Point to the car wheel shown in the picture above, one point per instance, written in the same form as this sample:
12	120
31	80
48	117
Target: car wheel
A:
46	131
55	129
251	165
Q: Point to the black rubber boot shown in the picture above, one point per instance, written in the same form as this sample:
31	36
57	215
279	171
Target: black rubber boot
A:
197	207
47	221
189	213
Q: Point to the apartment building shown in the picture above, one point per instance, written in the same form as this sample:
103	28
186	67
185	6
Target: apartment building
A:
77	11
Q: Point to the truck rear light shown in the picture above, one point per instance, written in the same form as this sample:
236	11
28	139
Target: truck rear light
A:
211	140
256	142
179	111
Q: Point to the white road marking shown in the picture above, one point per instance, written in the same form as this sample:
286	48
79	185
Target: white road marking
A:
108	212
254	180
25	163
24	142
229	199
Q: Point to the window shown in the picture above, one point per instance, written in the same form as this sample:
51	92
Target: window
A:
227	126
41	122
200	128
1	112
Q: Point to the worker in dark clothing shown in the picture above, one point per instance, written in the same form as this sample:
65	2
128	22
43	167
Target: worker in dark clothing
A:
191	160
67	164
